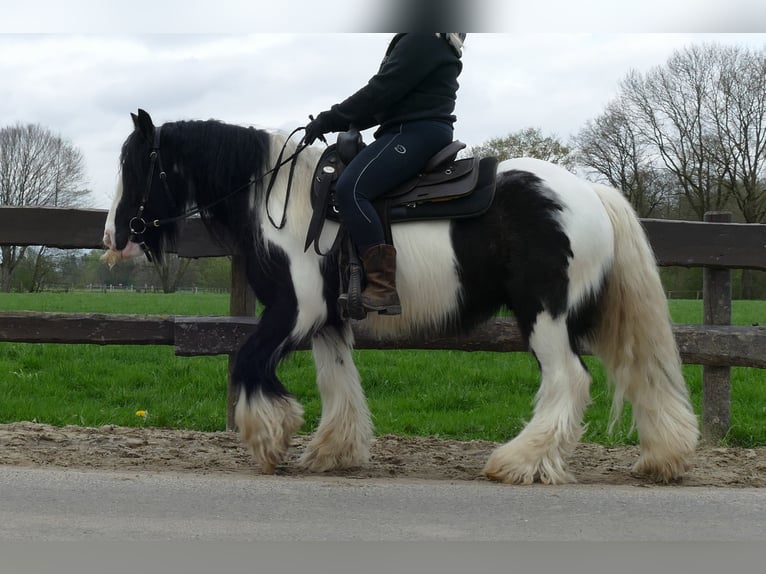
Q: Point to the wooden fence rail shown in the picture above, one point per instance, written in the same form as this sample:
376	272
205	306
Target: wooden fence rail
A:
715	345
681	243
717	245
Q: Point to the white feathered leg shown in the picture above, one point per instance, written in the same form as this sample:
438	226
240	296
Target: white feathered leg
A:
542	449
345	430
266	425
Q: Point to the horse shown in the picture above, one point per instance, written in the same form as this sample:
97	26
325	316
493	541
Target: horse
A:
568	257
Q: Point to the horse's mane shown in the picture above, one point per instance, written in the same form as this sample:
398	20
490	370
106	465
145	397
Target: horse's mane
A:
221	158
213	159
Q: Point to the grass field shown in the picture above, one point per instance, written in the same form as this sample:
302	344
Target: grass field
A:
437	393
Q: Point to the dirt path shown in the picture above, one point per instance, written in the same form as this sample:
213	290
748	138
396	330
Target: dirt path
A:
158	450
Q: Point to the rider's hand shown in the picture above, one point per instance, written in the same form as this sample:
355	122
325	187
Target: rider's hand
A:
316	128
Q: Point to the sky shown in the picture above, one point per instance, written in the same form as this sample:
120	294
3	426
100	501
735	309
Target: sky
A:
80	67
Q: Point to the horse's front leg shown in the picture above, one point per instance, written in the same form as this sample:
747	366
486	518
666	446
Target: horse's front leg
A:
345	430
267	415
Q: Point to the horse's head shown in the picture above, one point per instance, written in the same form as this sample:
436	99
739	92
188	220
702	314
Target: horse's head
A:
143	198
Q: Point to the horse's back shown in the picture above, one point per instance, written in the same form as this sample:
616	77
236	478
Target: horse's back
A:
571	191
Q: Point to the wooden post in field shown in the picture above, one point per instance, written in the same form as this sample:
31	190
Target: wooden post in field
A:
241	304
716	381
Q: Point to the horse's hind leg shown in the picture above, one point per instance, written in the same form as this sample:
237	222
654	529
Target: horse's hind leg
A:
541	450
344	434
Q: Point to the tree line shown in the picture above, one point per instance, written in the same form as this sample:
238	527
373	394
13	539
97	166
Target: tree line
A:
684	138
69	269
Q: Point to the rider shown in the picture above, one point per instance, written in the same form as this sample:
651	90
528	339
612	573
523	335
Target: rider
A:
411	99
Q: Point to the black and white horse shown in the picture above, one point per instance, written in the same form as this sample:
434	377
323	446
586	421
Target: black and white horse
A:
568	257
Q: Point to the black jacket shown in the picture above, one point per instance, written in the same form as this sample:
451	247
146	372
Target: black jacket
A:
416	80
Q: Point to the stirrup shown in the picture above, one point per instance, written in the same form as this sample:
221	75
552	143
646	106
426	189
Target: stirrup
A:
350	303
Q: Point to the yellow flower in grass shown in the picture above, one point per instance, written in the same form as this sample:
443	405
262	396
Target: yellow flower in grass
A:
141	414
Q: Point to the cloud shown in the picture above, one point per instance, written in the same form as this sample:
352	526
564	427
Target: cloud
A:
83	86
332	16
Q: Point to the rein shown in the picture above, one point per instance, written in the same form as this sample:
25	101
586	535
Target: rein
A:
138	225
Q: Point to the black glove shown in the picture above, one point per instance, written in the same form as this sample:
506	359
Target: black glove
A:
316	128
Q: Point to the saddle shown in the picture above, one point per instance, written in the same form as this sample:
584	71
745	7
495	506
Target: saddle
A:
447	188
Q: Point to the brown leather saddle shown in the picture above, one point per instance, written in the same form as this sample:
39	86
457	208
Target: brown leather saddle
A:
447	188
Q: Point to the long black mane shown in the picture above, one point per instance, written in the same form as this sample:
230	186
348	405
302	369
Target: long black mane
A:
204	161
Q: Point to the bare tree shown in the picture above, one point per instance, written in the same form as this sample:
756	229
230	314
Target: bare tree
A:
611	146
674	108
741	106
170	271
701	119
529	142
740	109
36	168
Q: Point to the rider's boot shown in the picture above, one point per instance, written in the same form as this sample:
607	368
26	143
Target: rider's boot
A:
380	292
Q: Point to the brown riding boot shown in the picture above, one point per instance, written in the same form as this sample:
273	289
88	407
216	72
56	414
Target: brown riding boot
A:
380	293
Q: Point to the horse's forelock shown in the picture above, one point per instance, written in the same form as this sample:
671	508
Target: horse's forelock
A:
134	167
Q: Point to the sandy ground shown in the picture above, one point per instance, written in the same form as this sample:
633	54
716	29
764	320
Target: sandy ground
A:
161	450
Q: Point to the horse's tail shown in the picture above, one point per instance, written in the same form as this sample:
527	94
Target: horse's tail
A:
635	342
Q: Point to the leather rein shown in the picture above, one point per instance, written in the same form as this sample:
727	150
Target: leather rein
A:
138	225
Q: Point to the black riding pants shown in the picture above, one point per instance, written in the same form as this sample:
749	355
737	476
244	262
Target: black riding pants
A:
397	155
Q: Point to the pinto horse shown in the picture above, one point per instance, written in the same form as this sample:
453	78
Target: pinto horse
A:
568	257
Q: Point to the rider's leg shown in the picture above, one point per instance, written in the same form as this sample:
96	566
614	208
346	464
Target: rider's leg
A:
397	155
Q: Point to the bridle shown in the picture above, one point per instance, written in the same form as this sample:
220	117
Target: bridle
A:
138	225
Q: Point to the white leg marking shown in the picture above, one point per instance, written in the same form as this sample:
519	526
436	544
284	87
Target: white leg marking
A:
541	450
345	430
266	425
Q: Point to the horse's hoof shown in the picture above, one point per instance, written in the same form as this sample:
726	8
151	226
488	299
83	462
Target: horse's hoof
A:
664	472
512	464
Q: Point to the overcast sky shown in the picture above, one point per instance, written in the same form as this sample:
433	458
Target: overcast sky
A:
80	67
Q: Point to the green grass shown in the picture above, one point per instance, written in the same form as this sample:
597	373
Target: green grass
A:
435	393
184	303
90	385
742	313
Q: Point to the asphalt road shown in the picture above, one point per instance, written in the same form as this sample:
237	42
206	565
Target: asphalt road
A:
63	505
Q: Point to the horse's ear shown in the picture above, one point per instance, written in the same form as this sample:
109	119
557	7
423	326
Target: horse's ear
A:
143	124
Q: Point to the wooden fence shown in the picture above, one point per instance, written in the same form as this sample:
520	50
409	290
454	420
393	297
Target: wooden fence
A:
717	245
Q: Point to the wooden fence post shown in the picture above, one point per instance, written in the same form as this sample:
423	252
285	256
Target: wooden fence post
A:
716	381
241	304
